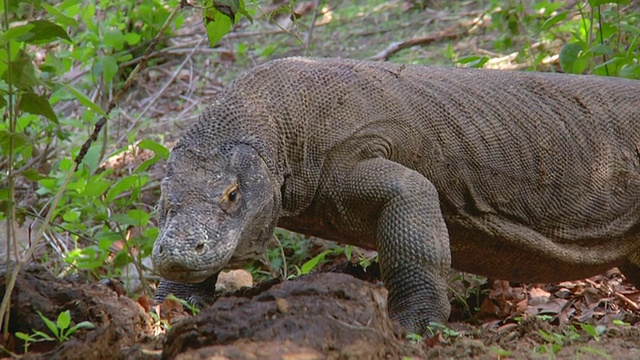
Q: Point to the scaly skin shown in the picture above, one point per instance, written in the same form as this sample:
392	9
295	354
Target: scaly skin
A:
519	176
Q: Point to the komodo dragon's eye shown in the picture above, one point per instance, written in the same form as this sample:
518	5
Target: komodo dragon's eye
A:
229	199
231	193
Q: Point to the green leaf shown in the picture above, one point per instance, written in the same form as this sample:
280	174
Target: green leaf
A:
50	324
82	325
114	39
107	66
217	25
311	264
108	236
91	257
95	187
34	175
595	3
161	152
23	336
60	17
37	105
146	165
42	335
70	216
473	61
554	20
132	38
601	49
630	71
23	73
19	140
243	11
620	322
348	250
569	55
18	33
64	320
92	158
227	7
590	329
124	184
45	31
159	149
123	219
83	99
140	217
37	32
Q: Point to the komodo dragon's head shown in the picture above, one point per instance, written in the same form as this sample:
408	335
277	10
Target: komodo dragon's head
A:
218	207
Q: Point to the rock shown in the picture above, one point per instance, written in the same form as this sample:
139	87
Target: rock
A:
233	280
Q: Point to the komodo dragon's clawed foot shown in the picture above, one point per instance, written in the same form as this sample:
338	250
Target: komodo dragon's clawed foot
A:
419	301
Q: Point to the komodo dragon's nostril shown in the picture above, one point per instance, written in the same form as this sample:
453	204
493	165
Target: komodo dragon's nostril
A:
200	248
160	249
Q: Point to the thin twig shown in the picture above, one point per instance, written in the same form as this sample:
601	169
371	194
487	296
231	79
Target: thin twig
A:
632	304
11	218
314	17
452	33
285	271
174	51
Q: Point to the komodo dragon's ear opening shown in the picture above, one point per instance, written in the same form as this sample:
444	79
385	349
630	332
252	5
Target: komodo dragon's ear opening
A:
246	162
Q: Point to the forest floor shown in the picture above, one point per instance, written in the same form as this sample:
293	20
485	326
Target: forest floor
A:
338	311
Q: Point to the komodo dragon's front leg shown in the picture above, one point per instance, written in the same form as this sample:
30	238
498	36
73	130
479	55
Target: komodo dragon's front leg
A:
404	218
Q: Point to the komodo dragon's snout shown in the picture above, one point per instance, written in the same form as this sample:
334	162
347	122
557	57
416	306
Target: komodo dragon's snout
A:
216	209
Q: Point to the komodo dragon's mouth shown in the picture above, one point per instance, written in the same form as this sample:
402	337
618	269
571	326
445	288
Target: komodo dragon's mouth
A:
188	276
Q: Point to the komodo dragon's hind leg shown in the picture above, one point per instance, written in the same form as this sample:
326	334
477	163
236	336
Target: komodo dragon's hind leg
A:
401	208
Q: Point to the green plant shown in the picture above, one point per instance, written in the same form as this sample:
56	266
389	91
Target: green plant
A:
593	351
414	338
60	330
443	329
593	36
465	288
501	353
620	322
556	340
594	331
39	137
191	307
311	264
220	15
37	336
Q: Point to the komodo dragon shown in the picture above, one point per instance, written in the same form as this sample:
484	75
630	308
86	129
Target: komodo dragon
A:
530	177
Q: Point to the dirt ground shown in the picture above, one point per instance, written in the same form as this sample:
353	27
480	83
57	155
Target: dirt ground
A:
338	312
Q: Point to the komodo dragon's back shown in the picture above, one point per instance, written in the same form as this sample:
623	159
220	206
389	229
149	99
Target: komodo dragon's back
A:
523	176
